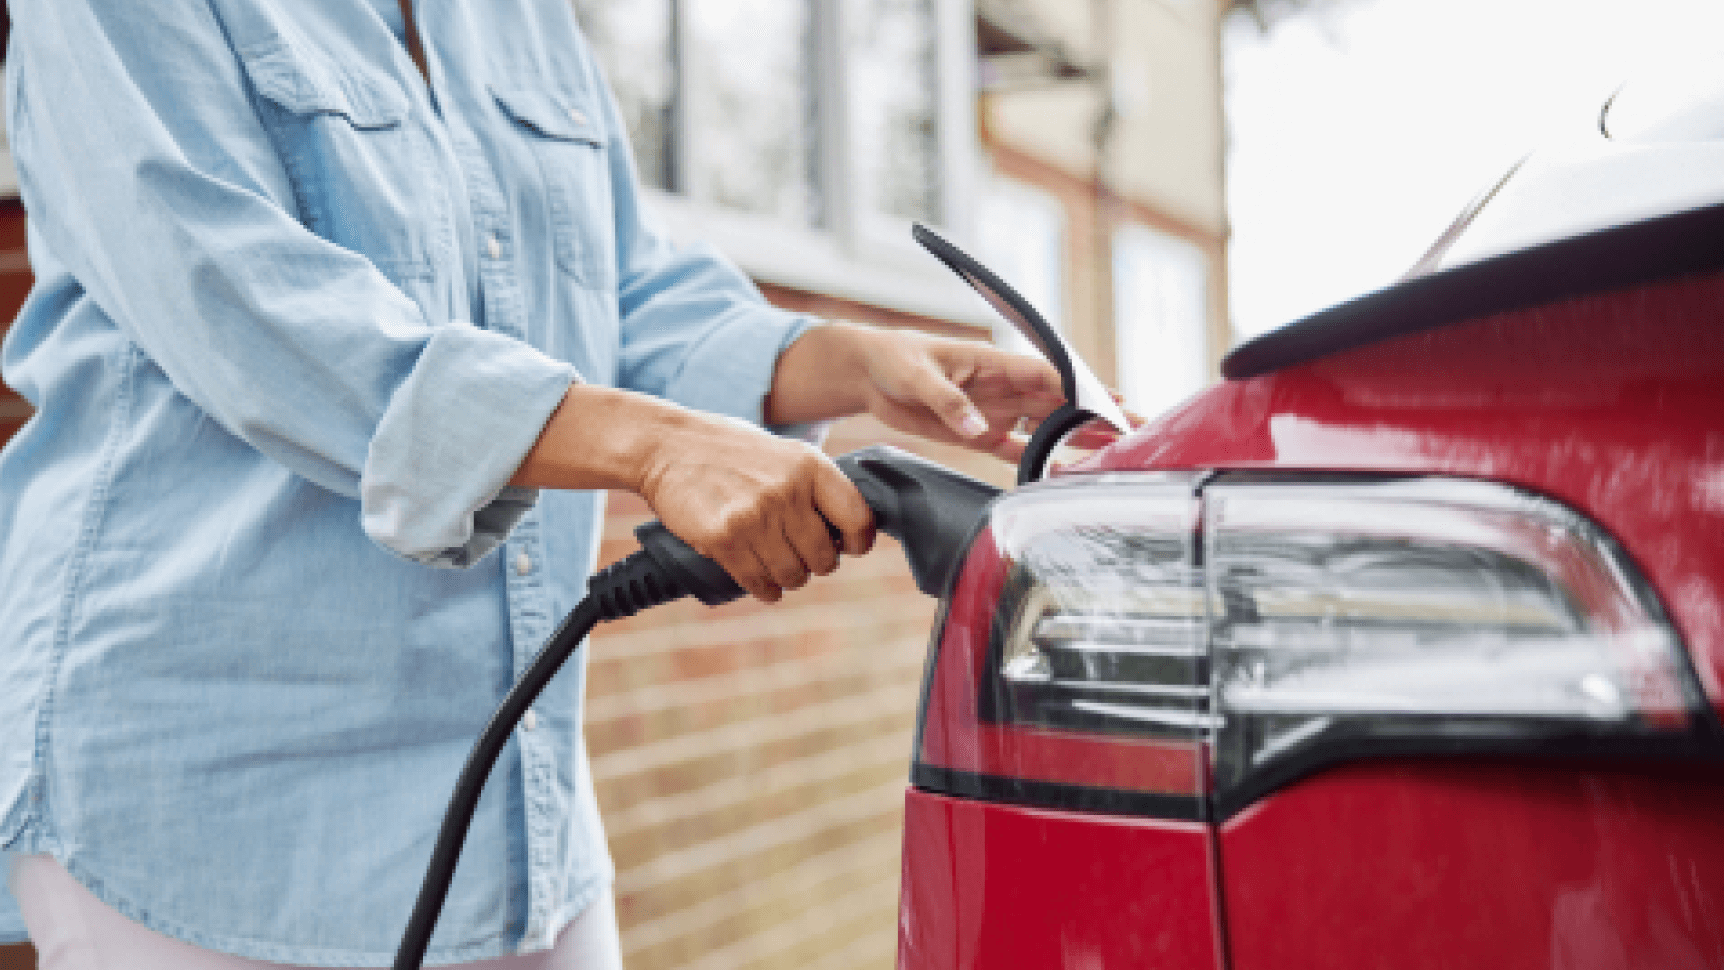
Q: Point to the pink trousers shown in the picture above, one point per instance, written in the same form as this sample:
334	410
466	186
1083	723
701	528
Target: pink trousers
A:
73	930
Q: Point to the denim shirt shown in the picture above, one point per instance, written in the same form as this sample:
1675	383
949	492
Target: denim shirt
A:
297	319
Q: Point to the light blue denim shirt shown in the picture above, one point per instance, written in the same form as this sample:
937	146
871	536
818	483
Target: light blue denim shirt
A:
296	321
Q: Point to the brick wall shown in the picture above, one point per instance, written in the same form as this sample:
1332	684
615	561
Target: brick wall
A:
14	286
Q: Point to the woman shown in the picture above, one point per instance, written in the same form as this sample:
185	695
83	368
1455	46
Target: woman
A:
334	334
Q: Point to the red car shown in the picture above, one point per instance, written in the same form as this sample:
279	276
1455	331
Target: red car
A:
1402	647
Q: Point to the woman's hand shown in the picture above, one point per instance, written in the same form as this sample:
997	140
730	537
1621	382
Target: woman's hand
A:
955	391
756	504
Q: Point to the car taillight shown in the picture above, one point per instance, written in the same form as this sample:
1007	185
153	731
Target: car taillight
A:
1141	643
1422	615
1071	666
1100	619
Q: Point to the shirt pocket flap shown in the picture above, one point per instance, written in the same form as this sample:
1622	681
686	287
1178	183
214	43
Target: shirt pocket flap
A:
550	115
304	86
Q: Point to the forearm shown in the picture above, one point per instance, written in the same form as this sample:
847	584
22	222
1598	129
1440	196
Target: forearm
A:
822	375
600	438
761	505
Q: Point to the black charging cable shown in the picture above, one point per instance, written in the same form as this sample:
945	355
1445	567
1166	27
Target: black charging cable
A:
928	508
663	569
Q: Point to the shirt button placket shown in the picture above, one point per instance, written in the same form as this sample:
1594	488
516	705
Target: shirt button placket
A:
529	624
529	619
542	895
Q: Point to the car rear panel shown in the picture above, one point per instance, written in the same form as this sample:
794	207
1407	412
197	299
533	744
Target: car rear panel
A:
1001	886
1431	864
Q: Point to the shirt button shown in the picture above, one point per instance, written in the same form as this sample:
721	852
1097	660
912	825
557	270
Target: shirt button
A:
529	720
523	564
493	248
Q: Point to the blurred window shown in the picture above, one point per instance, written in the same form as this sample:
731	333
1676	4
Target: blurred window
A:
821	114
752	130
1020	235
636	47
1160	287
891	54
8	169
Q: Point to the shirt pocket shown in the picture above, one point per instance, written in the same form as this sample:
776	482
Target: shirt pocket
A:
570	149
363	178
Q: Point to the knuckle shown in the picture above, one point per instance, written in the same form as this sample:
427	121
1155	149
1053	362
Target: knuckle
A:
776	497
737	522
750	576
805	469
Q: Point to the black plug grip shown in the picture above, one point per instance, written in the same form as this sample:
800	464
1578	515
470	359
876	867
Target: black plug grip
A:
930	509
697	575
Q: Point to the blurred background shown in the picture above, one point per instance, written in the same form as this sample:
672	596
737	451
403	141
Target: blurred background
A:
1162	178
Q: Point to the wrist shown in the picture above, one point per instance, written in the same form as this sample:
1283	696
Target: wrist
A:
822	375
600	438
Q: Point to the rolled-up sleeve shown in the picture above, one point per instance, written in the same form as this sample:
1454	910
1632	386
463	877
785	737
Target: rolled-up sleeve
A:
167	202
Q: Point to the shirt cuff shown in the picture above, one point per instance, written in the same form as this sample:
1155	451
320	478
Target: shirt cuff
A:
731	368
434	487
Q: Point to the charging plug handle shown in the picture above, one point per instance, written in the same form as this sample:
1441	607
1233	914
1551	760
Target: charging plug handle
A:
930	509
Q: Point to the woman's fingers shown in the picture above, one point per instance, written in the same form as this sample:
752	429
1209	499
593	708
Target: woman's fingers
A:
783	564
757	505
841	507
973	393
734	542
796	540
1010	449
804	544
933	389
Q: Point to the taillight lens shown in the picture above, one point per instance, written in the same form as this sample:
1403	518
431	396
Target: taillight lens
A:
1100	620
1071	666
1422	615
1098	653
